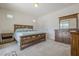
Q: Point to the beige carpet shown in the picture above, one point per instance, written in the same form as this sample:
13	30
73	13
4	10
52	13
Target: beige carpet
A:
46	48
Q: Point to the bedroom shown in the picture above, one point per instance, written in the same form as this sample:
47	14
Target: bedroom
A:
43	19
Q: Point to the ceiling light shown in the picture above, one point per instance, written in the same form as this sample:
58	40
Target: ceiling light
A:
35	4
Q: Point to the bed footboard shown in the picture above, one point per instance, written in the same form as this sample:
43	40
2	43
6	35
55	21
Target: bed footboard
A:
31	39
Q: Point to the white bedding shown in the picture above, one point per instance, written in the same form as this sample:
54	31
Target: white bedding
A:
18	34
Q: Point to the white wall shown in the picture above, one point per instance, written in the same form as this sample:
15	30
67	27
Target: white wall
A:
73	23
50	22
6	25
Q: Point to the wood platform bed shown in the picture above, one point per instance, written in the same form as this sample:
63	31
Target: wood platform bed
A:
28	40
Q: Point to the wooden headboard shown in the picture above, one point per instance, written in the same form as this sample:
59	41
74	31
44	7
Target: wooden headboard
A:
18	26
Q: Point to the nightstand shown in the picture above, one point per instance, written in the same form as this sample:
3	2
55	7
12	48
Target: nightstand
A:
7	37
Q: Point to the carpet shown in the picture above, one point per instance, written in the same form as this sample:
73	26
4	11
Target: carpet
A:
45	48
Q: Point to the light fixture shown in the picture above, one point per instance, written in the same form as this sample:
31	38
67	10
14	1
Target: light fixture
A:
9	16
36	5
34	21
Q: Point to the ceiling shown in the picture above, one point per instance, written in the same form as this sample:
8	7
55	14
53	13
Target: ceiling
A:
28	8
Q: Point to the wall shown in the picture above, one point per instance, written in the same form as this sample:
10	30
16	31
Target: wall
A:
73	23
50	22
47	23
7	25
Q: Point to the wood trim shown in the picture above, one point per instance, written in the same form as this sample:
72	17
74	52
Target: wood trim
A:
76	33
68	16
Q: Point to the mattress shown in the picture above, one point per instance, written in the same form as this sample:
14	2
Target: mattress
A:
17	35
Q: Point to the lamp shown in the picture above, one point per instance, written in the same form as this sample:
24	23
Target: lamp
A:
34	21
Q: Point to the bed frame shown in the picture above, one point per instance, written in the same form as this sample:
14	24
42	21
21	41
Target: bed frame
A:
29	39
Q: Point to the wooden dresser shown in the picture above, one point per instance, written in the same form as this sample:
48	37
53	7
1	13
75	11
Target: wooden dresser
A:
75	43
67	24
63	35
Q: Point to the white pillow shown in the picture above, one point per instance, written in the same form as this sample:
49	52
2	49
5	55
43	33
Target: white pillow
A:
23	30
